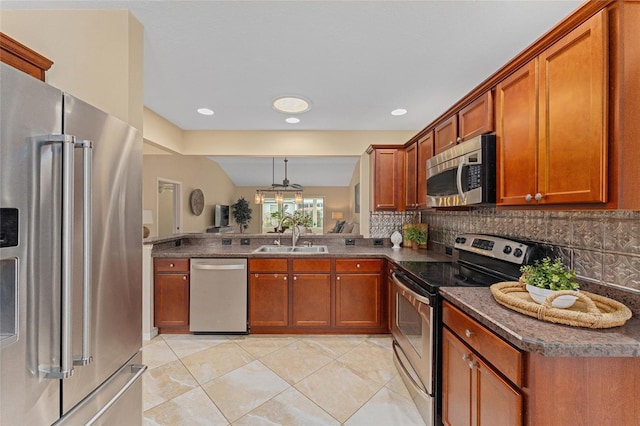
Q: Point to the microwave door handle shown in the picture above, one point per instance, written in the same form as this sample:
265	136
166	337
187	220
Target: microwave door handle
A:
459	178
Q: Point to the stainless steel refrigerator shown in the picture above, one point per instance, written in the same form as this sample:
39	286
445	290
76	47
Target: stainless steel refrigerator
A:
70	259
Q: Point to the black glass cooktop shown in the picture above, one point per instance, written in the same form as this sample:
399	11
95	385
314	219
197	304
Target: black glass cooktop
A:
431	275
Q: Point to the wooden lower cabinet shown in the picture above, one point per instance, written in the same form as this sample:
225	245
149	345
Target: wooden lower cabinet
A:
311	300
473	392
487	381
311	295
171	295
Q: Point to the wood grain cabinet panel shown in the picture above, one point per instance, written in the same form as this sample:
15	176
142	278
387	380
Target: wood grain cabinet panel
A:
387	178
446	134
268	299
171	295
358	300
311	300
552	123
23	58
411	176
476	118
425	151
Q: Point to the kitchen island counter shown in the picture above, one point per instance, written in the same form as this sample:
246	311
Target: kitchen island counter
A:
548	339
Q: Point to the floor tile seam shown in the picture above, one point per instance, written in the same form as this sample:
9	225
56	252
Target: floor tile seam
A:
301	379
316	404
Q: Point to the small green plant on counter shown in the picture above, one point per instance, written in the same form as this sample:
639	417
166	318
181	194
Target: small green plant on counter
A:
416	234
548	274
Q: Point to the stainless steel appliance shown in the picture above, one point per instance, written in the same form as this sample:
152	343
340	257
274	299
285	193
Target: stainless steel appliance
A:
417	312
70	259
218	296
464	174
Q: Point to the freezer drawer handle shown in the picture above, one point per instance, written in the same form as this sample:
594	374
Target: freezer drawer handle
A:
65	370
136	370
217	267
87	158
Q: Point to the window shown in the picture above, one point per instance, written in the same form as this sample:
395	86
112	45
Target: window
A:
311	210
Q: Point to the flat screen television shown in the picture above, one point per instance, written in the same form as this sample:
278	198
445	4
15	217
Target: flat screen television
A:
220	215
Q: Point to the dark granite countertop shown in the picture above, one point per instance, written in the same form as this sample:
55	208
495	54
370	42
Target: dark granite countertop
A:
210	245
548	339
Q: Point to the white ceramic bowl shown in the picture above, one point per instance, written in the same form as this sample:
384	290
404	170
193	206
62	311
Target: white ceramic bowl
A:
539	295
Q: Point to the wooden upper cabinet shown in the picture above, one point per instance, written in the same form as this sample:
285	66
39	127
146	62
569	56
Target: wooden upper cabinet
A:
387	178
573	116
446	134
474	119
517	135
410	176
425	151
551	123
21	57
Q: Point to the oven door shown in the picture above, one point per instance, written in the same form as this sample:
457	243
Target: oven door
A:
413	346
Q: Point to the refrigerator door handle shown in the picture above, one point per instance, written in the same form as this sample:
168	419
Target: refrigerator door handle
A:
65	370
136	370
87	157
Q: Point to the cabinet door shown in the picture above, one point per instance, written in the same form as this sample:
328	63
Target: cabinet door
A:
410	176
425	151
517	136
446	134
268	299
387	181
572	144
358	300
311	300
497	402
456	381
171	300
477	117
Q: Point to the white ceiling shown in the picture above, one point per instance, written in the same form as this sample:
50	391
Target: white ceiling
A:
355	60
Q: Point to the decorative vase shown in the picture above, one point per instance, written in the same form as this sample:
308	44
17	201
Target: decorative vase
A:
396	239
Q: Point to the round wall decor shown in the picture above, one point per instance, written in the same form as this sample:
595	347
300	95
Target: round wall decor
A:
196	201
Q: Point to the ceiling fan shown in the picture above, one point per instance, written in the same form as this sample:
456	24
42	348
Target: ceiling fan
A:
286	184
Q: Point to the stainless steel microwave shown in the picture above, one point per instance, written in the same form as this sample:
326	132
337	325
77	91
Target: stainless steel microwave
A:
464	174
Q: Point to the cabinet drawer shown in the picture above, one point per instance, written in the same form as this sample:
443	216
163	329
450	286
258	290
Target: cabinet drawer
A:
311	265
172	265
504	357
358	265
268	265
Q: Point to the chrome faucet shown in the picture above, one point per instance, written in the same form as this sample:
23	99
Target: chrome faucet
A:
295	229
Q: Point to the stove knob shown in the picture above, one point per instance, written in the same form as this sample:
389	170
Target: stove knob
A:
517	252
507	249
461	240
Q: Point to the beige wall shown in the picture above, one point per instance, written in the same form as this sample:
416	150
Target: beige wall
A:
192	172
97	55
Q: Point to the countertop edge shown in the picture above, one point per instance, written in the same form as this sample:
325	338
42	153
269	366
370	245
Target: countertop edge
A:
552	340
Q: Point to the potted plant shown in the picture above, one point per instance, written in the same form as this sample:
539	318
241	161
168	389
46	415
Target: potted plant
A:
242	213
417	235
545	277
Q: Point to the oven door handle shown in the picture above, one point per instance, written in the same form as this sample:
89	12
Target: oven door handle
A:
402	286
418	386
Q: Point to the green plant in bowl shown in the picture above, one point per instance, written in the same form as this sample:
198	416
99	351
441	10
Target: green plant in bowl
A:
549	274
546	277
416	234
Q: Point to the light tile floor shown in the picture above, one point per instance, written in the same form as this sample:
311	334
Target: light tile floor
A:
274	380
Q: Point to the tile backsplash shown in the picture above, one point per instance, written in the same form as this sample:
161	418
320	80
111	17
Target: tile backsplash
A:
602	246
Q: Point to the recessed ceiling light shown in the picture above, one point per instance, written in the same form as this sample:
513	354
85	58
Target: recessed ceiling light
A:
399	111
205	111
292	120
291	105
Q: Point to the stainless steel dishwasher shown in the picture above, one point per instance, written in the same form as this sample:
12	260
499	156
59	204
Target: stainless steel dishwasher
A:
218	299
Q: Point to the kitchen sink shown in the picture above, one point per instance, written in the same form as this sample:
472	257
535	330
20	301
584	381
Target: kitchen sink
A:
292	250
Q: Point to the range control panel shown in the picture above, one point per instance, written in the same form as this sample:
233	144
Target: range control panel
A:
493	246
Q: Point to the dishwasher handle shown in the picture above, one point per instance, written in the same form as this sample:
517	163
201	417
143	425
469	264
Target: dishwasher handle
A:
216	267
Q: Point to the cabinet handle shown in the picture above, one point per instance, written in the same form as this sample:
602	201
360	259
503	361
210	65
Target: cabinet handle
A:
295	278
357	265
256	275
465	357
285	278
184	278
459	139
171	265
338	278
472	364
538	196
528	198
468	333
